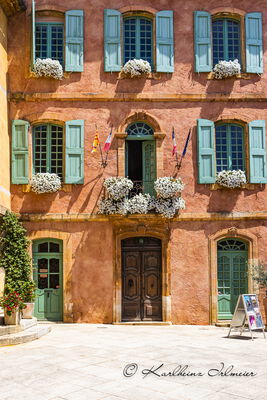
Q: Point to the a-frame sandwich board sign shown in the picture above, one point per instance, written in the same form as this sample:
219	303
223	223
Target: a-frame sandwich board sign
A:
247	311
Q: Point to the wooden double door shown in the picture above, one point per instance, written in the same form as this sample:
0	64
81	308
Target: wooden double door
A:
141	279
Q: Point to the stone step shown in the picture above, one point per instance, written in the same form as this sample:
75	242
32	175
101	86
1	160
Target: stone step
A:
152	323
33	333
24	324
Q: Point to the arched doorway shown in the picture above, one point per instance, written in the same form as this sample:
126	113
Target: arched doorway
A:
232	259
48	276
141	279
140	157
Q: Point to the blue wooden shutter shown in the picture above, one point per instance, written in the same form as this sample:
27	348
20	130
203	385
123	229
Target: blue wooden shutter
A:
74	40
164	41
206	151
112	38
20	151
257	152
33	32
74	151
202	38
254	56
149	166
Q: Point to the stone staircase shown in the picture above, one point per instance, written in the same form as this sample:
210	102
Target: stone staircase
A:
26	331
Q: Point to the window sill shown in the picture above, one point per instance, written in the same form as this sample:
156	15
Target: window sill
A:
247	186
153	76
32	74
243	75
65	188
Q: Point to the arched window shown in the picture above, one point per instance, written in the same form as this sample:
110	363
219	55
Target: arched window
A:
48	149
231	245
229	147
140	160
226	40
138	39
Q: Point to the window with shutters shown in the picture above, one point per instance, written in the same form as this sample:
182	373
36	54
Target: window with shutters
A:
229	140
138	35
48	149
49	41
226	40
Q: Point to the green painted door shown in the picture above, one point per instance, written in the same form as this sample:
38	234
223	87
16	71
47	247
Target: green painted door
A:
232	275
47	256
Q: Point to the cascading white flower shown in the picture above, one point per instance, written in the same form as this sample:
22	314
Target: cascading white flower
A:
225	69
45	183
136	67
48	68
118	188
168	187
231	179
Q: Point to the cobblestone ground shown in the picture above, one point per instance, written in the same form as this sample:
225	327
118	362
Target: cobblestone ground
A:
89	362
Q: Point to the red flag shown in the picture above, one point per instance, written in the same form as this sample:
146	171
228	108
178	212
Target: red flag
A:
108	142
174	147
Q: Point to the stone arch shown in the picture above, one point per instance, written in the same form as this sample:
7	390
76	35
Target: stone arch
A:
140	117
231	232
141	9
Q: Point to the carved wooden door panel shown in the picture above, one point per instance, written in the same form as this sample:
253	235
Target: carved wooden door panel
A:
141	280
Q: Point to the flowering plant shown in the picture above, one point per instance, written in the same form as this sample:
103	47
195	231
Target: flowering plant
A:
168	187
12	302
225	69
231	179
48	67
136	67
45	183
27	291
118	188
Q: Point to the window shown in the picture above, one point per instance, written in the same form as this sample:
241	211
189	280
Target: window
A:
226	40
135	39
222	147
229	147
61	39
56	149
48	149
222	40
138	39
141	157
49	41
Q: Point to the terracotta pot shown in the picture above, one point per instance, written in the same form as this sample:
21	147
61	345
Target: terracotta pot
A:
13	319
28	311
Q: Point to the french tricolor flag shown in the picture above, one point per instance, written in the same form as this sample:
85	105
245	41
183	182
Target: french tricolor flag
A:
174	147
108	142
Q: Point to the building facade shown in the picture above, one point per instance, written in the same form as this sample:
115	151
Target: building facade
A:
142	267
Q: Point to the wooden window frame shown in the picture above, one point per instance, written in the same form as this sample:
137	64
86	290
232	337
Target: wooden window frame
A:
49	25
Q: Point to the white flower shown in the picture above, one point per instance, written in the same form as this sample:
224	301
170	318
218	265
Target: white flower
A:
45	183
138	204
48	67
169	207
136	67
231	179
118	188
225	69
168	187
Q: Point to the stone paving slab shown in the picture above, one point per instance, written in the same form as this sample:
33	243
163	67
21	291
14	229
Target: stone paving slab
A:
86	362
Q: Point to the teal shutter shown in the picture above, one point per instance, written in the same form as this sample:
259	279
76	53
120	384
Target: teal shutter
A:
74	151
164	41
74	41
254	55
257	152
149	166
112	38
20	151
206	151
33	32
202	38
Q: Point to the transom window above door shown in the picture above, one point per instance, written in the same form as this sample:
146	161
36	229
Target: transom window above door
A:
138	38
226	40
229	147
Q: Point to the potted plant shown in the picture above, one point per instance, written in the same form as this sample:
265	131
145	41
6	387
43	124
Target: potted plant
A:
226	69
28	295
259	275
231	179
48	68
45	182
12	304
136	68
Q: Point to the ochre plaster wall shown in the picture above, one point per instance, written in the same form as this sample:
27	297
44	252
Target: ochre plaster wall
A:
4	138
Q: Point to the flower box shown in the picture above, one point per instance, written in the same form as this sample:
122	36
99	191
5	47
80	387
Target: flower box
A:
45	183
136	68
226	69
48	68
231	179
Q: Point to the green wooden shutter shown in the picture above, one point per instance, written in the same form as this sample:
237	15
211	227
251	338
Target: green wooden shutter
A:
254	55
149	166
202	38
257	152
74	40
74	151
112	38
206	151
20	151
33	32
164	41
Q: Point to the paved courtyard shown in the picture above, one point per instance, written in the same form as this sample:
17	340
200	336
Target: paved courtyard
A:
93	362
